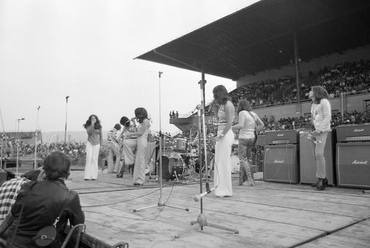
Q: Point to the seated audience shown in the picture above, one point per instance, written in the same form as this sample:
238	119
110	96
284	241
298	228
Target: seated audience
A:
40	203
10	188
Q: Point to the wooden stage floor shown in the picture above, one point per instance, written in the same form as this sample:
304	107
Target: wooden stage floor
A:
266	215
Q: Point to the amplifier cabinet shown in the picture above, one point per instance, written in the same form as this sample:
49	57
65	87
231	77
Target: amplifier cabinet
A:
282	137
353	133
307	162
281	163
353	164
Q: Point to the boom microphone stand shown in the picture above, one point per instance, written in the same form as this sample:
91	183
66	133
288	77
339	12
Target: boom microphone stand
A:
202	220
161	202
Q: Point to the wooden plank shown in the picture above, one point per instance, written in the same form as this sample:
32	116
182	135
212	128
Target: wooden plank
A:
267	215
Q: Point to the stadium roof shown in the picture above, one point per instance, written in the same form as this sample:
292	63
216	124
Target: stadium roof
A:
261	37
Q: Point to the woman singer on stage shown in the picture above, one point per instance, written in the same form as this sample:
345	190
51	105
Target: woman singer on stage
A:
140	143
249	124
94	140
122	167
321	118
224	110
113	149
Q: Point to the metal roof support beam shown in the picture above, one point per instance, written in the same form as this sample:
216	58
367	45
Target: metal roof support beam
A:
296	61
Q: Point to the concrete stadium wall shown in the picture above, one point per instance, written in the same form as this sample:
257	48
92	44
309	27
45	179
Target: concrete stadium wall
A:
347	103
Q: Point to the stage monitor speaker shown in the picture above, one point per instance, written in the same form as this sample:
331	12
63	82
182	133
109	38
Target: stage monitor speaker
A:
307	162
353	164
282	137
352	133
281	163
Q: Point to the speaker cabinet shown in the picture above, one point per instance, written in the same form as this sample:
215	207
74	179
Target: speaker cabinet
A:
281	163
282	137
307	162
353	164
353	133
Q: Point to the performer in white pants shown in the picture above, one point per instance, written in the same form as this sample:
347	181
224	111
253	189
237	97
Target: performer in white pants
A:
94	139
225	113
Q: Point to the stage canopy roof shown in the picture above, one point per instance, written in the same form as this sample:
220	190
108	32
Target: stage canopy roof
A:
261	37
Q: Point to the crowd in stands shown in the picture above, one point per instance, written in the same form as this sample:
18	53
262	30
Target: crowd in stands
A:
347	78
301	122
73	149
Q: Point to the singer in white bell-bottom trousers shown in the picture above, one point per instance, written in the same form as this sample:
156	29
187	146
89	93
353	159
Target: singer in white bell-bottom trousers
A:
92	159
222	170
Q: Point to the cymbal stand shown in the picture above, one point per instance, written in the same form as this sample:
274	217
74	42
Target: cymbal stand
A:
161	202
202	220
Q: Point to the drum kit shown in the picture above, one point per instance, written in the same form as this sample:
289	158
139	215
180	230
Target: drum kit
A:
180	160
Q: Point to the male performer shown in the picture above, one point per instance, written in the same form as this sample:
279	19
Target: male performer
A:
321	118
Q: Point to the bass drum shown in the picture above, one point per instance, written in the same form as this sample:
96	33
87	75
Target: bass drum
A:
171	167
235	164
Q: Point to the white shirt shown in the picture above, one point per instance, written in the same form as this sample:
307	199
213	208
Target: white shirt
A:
321	115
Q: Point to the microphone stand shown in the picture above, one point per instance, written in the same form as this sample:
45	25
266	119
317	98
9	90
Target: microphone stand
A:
161	202
202	220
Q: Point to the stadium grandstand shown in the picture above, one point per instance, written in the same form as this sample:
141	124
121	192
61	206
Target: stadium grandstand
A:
276	50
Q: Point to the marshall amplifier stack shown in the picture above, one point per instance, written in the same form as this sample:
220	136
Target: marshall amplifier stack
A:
353	156
307	162
281	157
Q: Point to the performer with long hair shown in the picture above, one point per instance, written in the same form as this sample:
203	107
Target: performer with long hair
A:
113	149
125	122
248	124
225	112
140	143
94	140
321	118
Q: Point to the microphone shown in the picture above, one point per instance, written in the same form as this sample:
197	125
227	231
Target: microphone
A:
200	196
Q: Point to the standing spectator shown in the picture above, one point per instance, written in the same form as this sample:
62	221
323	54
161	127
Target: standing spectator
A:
113	148
321	116
94	140
224	110
249	125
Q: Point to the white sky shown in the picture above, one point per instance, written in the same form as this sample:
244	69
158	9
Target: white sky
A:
84	49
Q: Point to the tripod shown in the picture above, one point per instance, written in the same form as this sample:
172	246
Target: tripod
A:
202	220
161	202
